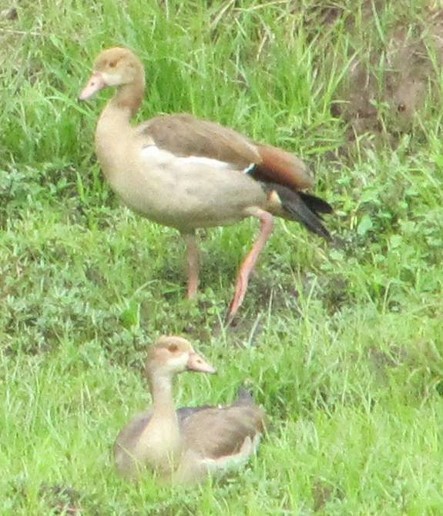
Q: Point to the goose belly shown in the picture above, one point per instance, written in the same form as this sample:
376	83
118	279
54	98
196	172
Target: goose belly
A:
191	197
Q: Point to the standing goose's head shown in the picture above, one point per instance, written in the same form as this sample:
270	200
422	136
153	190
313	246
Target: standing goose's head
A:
114	67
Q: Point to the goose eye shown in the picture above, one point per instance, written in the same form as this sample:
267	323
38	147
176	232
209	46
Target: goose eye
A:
173	348
112	64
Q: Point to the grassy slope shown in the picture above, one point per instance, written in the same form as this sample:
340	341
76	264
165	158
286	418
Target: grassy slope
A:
342	345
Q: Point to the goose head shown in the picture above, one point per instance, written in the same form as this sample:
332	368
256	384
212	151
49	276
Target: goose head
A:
114	67
172	355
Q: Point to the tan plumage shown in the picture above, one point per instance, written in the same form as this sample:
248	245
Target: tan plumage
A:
188	173
185	445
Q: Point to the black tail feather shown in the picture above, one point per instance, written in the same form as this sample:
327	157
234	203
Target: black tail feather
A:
316	204
305	208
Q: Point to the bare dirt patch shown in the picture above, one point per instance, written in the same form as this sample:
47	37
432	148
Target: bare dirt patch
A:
392	73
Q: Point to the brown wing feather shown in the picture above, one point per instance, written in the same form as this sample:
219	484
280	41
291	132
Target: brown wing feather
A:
279	166
219	432
185	135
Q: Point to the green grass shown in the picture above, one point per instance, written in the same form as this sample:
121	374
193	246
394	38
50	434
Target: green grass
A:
341	344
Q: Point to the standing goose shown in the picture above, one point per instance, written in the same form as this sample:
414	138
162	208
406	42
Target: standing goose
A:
187	173
188	444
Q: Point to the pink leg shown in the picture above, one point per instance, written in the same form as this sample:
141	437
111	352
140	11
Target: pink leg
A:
193	264
267	223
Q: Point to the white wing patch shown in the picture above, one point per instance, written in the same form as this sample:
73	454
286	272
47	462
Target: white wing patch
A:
156	155
208	162
164	157
234	461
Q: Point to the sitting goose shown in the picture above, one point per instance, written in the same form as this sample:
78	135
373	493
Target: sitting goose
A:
188	173
186	445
